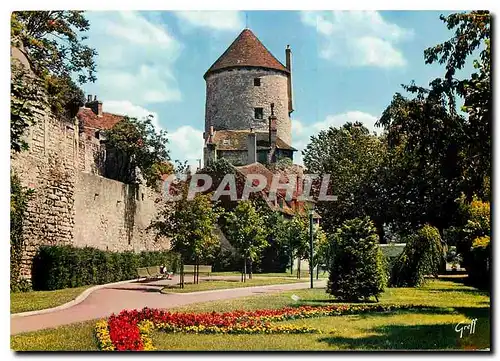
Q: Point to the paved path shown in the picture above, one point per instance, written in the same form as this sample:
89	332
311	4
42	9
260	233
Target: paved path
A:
103	302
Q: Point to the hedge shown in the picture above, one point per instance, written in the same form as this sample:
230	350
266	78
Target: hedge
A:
56	267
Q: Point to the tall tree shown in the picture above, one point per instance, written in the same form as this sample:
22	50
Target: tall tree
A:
192	226
471	39
54	42
350	154
246	232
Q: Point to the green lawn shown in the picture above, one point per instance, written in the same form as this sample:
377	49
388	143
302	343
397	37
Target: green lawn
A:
216	284
450	301
39	300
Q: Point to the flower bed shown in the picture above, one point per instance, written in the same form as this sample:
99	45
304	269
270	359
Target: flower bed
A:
131	330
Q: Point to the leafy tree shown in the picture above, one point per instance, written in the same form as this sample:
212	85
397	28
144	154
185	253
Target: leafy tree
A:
192	226
423	255
246	232
276	256
133	144
357	268
420	178
298	240
54	44
322	252
350	154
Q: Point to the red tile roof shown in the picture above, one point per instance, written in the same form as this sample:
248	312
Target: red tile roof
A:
91	122
246	51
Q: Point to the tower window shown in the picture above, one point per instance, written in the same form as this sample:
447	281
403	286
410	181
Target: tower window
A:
259	113
256	81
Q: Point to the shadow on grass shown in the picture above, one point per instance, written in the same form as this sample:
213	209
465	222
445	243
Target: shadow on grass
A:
416	337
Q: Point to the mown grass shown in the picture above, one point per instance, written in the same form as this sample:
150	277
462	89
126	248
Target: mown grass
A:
39	300
449	301
217	284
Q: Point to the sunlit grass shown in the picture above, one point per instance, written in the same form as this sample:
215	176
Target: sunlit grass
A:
39	300
449	301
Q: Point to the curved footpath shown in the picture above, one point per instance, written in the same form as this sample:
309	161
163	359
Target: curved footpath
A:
114	298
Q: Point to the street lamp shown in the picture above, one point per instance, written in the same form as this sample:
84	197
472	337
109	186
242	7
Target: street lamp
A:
311	213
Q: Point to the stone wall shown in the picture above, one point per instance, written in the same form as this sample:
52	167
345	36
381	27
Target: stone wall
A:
72	203
111	215
231	98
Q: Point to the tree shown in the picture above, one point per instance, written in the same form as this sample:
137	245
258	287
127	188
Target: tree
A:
276	256
322	252
298	240
192	225
421	177
54	44
54	49
423	255
350	154
246	232
357	269
133	144
472	36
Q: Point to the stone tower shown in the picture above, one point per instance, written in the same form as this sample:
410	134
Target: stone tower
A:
248	104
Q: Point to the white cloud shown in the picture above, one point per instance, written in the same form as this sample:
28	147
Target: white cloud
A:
124	107
301	134
135	58
186	143
216	20
357	38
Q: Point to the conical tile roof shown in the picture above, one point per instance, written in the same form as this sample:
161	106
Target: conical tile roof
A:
246	51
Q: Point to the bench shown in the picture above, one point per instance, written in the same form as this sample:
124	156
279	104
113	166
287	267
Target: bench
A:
189	269
151	272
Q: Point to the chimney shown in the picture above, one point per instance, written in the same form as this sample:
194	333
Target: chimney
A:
95	105
272	128
288	53
252	147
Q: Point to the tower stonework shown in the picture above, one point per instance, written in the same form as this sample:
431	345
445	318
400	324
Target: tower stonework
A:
241	87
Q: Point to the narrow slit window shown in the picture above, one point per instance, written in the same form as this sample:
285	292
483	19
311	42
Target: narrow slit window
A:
259	113
256	81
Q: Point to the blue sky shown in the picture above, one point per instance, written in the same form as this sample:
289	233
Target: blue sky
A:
346	65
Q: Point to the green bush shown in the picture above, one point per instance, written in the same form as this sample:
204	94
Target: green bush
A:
357	267
56	267
423	255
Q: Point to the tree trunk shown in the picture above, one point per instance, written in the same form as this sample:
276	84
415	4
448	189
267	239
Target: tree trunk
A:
291	265
317	271
298	269
251	268
245	270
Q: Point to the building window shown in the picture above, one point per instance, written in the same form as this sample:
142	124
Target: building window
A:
259	113
256	81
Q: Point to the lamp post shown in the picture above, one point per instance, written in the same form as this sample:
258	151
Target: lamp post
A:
311	212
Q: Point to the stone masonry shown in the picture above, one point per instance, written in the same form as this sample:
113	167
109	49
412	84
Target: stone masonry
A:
231	98
72	203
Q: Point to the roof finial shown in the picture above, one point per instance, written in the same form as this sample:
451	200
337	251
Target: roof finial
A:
246	20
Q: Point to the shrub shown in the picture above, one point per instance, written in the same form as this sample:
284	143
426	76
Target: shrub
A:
357	267
422	255
56	267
